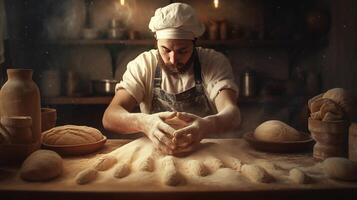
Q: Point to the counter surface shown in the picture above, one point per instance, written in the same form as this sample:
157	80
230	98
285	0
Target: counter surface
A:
65	187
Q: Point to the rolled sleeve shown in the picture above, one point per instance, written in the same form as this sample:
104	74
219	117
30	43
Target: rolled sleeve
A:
132	82
220	85
218	74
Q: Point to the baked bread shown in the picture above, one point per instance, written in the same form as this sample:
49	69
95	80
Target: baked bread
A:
71	135
276	131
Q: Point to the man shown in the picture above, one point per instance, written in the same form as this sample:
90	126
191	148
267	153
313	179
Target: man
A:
176	79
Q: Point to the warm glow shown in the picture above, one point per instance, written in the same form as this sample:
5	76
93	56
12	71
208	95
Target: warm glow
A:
122	2
216	3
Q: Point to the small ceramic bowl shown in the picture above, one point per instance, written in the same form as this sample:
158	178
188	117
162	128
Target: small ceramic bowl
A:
48	118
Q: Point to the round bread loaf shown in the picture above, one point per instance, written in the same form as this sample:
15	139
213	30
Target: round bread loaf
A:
276	131
71	135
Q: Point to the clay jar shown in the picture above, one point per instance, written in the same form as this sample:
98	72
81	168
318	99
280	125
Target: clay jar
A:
48	118
18	128
20	96
331	138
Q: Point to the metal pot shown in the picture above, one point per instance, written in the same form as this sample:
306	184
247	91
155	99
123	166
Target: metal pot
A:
104	87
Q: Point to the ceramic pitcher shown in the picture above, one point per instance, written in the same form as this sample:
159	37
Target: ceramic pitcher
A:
20	96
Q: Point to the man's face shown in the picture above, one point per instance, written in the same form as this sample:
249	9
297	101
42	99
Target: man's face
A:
175	53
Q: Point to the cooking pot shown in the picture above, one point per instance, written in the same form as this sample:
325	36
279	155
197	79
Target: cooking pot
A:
104	87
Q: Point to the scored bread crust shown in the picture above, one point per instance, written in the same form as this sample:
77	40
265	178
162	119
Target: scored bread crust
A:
71	135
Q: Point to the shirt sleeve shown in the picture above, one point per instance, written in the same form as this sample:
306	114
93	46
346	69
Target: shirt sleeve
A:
133	81
218	75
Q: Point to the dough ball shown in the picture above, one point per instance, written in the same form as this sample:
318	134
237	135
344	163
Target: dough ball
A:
86	176
276	131
340	168
298	176
41	165
341	97
105	162
256	174
176	122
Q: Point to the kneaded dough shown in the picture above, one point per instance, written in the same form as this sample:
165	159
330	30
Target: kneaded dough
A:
197	168
121	170
176	122
105	162
340	168
276	131
297	176
41	165
86	176
256	174
170	175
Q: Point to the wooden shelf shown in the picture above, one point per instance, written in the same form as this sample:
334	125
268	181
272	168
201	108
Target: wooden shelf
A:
105	100
76	100
148	42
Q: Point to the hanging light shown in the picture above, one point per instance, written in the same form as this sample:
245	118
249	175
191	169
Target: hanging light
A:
216	3
122	2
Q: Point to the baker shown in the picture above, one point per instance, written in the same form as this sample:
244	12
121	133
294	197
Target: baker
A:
193	83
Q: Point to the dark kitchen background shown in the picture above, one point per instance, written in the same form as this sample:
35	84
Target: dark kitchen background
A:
282	52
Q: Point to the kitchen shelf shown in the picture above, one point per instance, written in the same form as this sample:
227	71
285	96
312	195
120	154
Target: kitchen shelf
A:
105	100
76	100
148	42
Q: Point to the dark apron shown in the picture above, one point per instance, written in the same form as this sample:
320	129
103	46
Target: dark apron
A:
193	100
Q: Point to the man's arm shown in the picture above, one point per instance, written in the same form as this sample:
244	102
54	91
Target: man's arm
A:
117	118
228	116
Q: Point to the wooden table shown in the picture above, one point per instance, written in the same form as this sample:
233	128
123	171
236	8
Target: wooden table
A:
12	187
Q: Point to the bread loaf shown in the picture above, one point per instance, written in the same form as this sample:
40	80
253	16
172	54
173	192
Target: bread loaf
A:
71	135
276	131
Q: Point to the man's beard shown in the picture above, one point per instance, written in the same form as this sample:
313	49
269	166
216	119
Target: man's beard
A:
174	69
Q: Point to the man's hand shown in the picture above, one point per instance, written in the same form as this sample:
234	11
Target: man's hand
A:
187	138
159	132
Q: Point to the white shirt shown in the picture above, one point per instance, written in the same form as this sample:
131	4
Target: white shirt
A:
138	79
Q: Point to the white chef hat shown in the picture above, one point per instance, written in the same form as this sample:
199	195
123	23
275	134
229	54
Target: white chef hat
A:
176	21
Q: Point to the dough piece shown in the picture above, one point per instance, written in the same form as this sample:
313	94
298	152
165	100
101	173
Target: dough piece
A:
170	175
341	97
71	135
298	176
340	168
121	170
235	164
86	176
105	162
213	164
41	165
146	164
176	122
256	174
276	131
197	168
